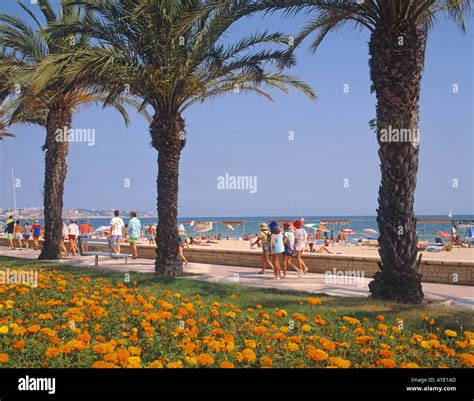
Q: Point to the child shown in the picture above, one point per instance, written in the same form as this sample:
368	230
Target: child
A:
150	233
26	234
289	243
277	248
18	233
263	240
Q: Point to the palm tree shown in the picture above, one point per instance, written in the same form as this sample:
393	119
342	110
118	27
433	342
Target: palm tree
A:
398	33
169	53
53	107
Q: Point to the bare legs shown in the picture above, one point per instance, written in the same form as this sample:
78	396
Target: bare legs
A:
301	264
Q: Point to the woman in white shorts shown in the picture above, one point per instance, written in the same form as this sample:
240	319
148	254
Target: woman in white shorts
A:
301	239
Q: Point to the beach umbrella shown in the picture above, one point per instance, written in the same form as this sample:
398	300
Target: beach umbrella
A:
369	231
348	231
444	234
102	229
203	227
470	233
230	227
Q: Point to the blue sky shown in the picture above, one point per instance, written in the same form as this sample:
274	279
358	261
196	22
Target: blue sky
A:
245	135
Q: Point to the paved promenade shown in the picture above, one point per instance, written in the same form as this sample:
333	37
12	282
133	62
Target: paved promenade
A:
457	295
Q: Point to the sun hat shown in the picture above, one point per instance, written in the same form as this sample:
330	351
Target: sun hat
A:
263	226
297	223
274	225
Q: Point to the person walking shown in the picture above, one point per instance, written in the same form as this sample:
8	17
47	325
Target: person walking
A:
9	229
36	229
289	243
73	229
277	248
134	230
182	244
301	239
26	235
263	240
17	231
84	232
116	230
64	235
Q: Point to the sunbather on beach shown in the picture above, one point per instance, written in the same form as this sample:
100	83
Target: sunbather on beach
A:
324	248
263	240
301	239
289	244
9	228
277	248
116	227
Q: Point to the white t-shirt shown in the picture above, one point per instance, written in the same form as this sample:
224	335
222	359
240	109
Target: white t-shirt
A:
73	229
300	236
117	225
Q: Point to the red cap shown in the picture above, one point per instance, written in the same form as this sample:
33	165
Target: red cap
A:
297	223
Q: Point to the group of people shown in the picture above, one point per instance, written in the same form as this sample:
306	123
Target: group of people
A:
15	231
276	244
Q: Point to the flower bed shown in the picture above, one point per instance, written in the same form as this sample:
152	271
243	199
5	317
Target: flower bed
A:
74	320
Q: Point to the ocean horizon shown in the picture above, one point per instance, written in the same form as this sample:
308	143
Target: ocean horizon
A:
426	231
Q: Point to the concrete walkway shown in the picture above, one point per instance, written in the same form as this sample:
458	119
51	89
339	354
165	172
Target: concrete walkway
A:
457	295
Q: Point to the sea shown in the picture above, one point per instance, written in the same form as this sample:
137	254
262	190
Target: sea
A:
426	231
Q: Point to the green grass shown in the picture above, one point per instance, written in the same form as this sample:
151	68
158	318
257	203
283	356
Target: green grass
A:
445	317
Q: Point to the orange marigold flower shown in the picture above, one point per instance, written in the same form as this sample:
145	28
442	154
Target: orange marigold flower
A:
450	333
385	353
249	355
52	352
34	328
339	362
316	354
265	361
313	301
3	358
227	365
205	359
380	318
409	365
174	365
19	344
134	351
250	343
386	363
466	360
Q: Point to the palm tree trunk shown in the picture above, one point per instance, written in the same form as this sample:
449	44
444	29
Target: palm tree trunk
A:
167	132
396	64
56	149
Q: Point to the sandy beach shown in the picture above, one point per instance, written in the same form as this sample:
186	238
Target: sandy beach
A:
456	254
